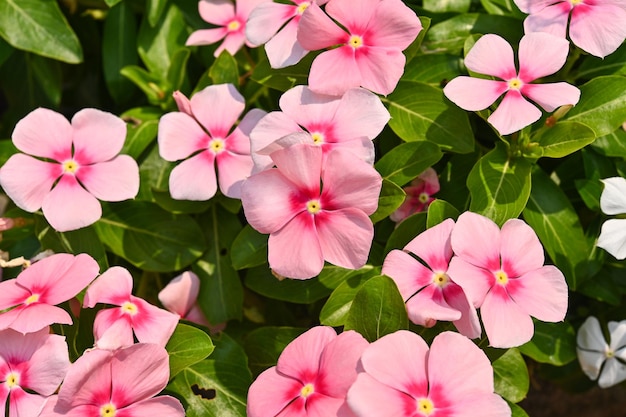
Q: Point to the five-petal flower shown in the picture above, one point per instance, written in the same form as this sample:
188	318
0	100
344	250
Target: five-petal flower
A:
596	357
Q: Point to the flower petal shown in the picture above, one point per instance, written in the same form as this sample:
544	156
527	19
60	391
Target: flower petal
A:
114	286
369	397
409	275
551	19
613	238
428	306
492	55
69	206
591	347
613	373
98	136
266	19
27	181
613	198
541	54
180	136
206	36
489	404
194	178
335	71
283	49
302	165
392	25
88	380
338	363
217	108
520	249
181	293
317	31
35	317
359	113
112	329
48	364
152	324
44	133
433	246
114	180
233	42
217	12
476	239
514	113
468	325
380	68
551	96
474	94
301	358
598	29
475	281
232	170
542	293
309	109
239	140
163	405
271	392
532	6
12	294
506	323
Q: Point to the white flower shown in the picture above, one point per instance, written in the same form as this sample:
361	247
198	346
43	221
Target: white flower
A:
613	201
596	357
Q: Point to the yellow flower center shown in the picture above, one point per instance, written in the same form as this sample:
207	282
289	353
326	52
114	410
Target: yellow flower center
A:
355	41
302	7
13	380
575	2
307	390
609	353
70	166
313	206
515	84
318	138
441	279
108	410
423	198
217	145
425	406
129	308
233	26
32	299
501	277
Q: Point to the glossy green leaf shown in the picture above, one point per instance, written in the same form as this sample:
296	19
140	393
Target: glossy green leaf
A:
438	211
391	197
406	161
119	50
337	307
177	72
249	249
165	200
441	6
154	173
188	345
39	26
218	385
516	410
602	106
264	345
155	11
511	379
284	78
499	185
260	280
553	343
377	309
551	215
613	144
224	70
112	3
148	83
419	112
613	64
563	139
434	69
142	127
590	191
149	237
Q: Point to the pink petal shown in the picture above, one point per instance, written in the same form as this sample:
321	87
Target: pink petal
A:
112	329
355	16
380	68
317	31
232	170
362	148
301	358
152	324
12	294
27	181
492	55
598	29
468	325
320	405
283	49
217	12
551	96
270	128
181	293
88	380
180	136
309	109
206	36
69	206
542	293
474	94
335	71
232	43
338	363
245	7
163	405
182	102
360	113
520	249
489	404
114	180
506	323
467	375
288	141
475	281
551	19
295	409
433	246
114	286
34	317
393	25
239	140
357	188
98	136
44	133
295	250
514	113
541	54
398	360
532	6
428	306
302	165
476	239
217	108
22	403
194	178
196	315
369	397
271	392
48	364
266	19
409	275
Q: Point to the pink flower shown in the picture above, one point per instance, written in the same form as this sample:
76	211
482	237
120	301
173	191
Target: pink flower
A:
350	122
276	26
231	21
31	368
199	134
540	54
403	378
311	378
503	274
419	195
33	295
425	286
82	166
180	297
369	52
595	26
114	327
307	222
120	383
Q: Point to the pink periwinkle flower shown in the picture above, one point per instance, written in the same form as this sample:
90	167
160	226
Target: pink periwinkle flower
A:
180	296
311	378
276	26
118	383
313	212
419	195
114	327
426	288
230	20
32	367
368	52
350	122
595	26
540	54
200	135
82	166
503	274
29	301
404	378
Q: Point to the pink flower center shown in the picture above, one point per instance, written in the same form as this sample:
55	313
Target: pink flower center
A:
32	299
441	279
501	278
355	41
12	380
318	138
302	7
233	26
313	206
217	145
108	410
307	390
129	308
70	166
515	84
425	406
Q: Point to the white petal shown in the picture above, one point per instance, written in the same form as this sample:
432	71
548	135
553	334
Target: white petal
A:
613	238
613	198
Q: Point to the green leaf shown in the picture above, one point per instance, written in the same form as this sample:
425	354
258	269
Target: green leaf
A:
603	104
142	125
499	185
553	343
5	51
187	346
563	139
177	73
391	197
406	161
377	309
221	292
119	50
155	11
590	191
260	280
613	144
434	69
224	70
112	3
149	237
440	210
249	249
284	78
511	379
264	345
148	83
406	231
551	215
516	410
218	385
335	311
442	6
39	26
154	173
165	200
613	64
419	112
